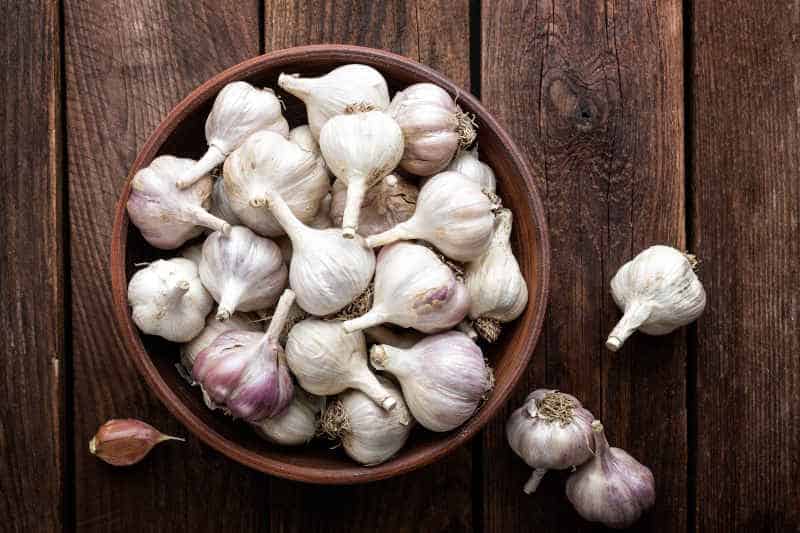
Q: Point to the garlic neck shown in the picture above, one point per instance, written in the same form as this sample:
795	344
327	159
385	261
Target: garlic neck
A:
601	445
635	314
229	299
402	231
294	84
366	382
213	157
356	189
281	315
385	357
372	318
295	229
201	217
174	295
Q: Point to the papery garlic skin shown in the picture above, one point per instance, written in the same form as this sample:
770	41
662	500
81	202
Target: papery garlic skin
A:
242	271
369	435
467	163
414	289
336	91
387	203
444	378
302	137
658	292
360	149
551	431
166	215
267	160
433	127
327	360
296	425
452	213
221	206
239	110
125	442
167	299
612	488
213	329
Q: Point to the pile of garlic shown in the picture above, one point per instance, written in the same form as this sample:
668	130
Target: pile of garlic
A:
359	346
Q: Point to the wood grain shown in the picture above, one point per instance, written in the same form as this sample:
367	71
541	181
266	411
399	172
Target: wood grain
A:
746	218
127	65
31	270
596	96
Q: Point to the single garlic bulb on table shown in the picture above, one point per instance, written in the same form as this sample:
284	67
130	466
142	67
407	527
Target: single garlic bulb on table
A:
612	487
334	93
658	292
268	161
414	289
387	203
327	360
444	378
296	425
213	329
434	127
246	372
467	164
167	299
168	216
453	214
242	271
369	435
551	431
239	110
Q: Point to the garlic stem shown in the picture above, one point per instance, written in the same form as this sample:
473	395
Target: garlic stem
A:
294	84
397	233
367	320
352	207
283	214
175	294
369	385
212	158
207	220
601	445
229	300
635	315
533	481
379	356
281	314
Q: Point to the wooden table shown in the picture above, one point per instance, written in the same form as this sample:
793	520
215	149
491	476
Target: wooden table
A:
646	122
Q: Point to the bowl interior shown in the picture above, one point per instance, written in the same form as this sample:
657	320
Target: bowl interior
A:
182	134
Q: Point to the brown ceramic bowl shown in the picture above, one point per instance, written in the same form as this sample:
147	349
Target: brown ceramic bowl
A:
182	134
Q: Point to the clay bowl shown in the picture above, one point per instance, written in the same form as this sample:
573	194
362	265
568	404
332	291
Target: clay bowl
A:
182	134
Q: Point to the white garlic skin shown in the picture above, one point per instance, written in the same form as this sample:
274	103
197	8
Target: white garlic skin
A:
331	94
612	488
168	300
496	286
242	271
267	160
414	289
296	425
658	292
302	137
549	444
221	206
213	329
327	360
193	253
387	203
444	378
467	163
166	215
452	213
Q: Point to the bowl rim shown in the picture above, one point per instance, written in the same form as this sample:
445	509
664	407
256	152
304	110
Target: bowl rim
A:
135	349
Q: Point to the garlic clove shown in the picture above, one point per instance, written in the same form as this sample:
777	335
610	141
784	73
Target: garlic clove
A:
467	164
213	329
387	203
296	425
658	292
125	442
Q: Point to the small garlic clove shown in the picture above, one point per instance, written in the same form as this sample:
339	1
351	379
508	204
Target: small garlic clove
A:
386	204
125	442
296	425
467	164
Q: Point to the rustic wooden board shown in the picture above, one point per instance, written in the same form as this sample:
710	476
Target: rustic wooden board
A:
437	498
746	219
595	92
127	65
31	269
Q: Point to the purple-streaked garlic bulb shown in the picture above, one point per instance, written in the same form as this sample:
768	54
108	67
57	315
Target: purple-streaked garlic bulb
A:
414	289
387	203
245	372
297	424
467	163
166	215
214	328
444	378
242	271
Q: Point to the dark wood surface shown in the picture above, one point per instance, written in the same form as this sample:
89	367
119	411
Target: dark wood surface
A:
596	92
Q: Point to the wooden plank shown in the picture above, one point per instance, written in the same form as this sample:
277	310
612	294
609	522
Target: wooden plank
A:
31	269
594	92
746	218
127	65
437	498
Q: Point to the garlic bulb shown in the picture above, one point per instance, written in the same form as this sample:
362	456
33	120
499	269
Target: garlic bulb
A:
213	329
124	442
612	488
434	127
398	339
168	300
242	271
360	149
452	213
387	203
239	110
168	216
498	292
658	291
246	371
551	431
326	360
369	435
332	94
221	206
467	163
414	289
444	378
296	425
326	271
267	160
